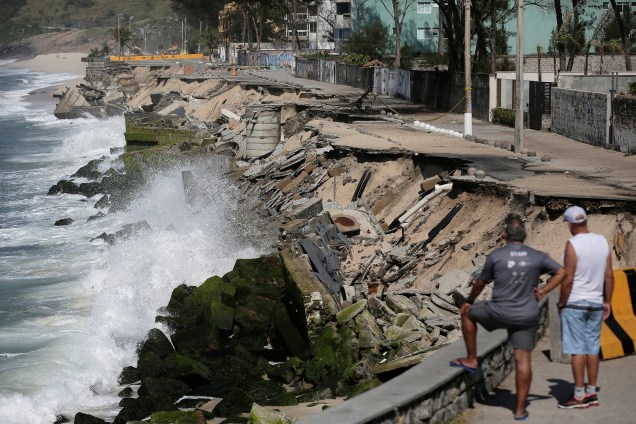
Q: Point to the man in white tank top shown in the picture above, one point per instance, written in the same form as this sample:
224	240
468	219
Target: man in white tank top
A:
584	304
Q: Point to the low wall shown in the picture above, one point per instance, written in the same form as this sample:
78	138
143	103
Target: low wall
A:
625	124
580	115
431	392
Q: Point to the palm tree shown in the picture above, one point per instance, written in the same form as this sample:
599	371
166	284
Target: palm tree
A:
122	36
611	45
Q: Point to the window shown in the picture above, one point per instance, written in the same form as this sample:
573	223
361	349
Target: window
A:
343	9
424	7
343	33
427	33
312	27
622	6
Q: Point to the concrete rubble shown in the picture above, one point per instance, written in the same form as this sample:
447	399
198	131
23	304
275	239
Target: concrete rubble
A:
393	238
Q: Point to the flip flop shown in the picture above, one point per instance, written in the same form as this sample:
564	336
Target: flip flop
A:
457	363
522	417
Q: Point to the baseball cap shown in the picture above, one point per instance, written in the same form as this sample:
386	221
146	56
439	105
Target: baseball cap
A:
574	215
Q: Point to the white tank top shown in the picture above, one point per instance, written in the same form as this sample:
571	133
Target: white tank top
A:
592	251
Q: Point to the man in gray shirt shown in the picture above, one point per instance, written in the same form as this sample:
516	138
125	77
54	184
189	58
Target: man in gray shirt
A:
515	270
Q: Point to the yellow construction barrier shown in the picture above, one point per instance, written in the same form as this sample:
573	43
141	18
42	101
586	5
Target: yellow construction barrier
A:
155	57
618	334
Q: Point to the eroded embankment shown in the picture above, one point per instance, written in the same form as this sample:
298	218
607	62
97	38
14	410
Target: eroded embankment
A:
374	245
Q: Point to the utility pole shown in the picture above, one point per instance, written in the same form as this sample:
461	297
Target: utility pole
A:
130	19
519	81
200	29
468	106
119	33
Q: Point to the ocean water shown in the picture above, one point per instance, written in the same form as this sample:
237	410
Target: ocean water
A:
72	311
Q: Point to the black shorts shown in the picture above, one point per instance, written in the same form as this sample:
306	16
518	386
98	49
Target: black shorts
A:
518	338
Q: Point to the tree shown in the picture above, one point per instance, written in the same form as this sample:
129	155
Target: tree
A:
122	36
398	9
602	45
372	39
624	32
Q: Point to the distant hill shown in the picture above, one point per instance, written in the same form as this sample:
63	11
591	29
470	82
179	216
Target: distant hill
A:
30	26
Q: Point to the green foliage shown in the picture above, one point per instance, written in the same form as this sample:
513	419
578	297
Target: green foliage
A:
407	54
372	39
356	59
505	64
631	88
99	53
506	117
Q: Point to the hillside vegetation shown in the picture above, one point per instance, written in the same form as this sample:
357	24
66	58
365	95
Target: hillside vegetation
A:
25	18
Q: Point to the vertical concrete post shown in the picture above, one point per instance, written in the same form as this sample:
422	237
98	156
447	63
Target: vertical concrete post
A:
468	109
554	330
519	82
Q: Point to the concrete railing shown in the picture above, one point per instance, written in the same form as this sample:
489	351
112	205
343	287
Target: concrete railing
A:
431	392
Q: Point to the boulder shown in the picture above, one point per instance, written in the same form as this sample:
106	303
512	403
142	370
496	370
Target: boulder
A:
452	280
64	186
81	418
380	310
98	215
234	403
133	409
90	189
103	202
289	371
261	415
89	171
160	387
177	417
347	314
156	342
368	331
401	304
129	375
64	221
395	334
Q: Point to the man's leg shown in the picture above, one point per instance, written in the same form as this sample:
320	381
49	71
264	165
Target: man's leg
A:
469	331
523	378
578	369
592	369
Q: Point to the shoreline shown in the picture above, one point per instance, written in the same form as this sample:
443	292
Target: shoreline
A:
54	63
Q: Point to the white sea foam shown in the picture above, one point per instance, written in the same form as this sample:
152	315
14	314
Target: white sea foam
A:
77	355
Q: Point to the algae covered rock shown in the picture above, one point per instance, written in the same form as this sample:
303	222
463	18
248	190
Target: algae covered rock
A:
177	417
334	354
156	342
261	415
351	312
163	387
234	403
81	418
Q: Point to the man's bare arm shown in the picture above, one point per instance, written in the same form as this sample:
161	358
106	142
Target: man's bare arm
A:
569	263
552	283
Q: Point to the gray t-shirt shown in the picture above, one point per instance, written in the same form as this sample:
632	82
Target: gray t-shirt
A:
515	269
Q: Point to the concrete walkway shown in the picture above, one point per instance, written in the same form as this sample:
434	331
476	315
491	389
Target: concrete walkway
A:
552	382
562	167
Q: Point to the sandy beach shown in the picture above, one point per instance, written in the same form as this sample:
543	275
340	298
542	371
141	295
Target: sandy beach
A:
67	63
54	63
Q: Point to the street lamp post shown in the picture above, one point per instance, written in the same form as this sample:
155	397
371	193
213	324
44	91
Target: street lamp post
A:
130	19
119	34
146	39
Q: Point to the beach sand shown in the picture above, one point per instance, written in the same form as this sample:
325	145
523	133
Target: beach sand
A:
67	63
58	63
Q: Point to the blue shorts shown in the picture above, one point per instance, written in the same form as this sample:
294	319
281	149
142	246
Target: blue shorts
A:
581	327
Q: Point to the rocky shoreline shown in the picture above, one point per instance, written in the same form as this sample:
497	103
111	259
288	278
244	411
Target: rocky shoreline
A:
376	247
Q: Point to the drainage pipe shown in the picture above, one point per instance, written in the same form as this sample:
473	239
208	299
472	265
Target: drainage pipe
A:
439	189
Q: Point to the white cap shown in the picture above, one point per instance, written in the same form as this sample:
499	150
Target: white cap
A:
574	215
